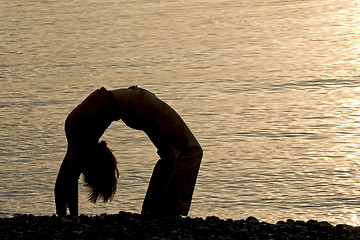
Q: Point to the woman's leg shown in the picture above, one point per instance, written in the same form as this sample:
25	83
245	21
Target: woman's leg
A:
154	201
181	188
172	185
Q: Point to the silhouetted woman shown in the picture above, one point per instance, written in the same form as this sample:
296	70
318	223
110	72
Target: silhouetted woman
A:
173	180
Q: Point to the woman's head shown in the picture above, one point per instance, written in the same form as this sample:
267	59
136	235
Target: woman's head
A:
100	173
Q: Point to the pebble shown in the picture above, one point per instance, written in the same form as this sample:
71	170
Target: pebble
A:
252	220
65	220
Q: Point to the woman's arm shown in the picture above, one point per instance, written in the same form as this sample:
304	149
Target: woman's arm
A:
66	188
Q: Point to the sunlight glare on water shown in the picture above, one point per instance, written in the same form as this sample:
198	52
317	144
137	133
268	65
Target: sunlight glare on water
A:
269	88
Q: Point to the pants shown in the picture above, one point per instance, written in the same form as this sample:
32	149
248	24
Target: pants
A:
172	185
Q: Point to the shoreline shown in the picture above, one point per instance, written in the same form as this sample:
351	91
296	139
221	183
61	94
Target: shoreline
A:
127	225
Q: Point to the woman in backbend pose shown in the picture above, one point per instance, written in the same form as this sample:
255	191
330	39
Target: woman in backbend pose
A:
173	180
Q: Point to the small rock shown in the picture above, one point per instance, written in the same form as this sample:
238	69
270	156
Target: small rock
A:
243	232
188	237
355	230
212	218
252	220
312	222
201	231
290	222
65	220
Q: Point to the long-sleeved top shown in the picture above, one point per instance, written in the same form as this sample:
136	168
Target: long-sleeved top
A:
142	110
138	109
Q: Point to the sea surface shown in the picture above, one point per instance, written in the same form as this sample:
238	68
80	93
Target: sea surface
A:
271	89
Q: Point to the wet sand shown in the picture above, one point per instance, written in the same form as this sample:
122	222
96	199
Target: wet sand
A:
136	226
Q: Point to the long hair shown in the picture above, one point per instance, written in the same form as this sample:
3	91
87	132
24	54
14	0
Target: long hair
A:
100	173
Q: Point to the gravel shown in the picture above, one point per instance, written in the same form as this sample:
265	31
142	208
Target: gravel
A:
136	226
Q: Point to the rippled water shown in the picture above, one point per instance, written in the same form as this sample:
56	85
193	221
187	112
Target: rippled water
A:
270	89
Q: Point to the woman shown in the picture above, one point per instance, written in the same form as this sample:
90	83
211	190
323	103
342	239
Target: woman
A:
173	180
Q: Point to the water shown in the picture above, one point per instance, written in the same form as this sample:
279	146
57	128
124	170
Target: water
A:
269	88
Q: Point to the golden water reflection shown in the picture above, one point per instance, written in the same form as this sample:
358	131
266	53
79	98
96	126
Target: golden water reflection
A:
270	89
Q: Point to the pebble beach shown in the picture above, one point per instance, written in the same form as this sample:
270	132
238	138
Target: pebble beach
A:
125	225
